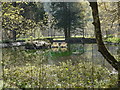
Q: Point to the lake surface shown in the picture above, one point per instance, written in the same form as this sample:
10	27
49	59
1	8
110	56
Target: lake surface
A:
17	58
75	52
86	52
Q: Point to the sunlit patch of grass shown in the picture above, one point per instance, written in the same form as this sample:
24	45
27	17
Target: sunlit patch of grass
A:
59	39
113	39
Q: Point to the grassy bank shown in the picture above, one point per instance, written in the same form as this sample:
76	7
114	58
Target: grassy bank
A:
113	40
64	75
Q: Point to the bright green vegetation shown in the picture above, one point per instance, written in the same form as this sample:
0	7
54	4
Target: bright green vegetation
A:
61	52
58	54
27	69
113	39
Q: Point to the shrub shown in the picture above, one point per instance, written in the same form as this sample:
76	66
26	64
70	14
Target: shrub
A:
64	75
27	69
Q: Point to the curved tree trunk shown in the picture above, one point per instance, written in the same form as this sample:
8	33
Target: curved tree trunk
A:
119	37
101	47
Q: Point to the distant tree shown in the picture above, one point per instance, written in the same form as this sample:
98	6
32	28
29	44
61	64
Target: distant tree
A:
22	17
109	20
69	16
32	10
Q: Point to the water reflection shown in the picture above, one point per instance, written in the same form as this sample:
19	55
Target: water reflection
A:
73	52
79	55
85	52
58	49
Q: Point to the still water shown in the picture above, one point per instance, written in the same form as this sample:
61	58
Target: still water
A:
74	52
84	52
19	62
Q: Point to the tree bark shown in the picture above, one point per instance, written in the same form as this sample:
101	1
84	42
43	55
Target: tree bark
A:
65	32
69	20
65	20
118	18
101	47
14	35
118	47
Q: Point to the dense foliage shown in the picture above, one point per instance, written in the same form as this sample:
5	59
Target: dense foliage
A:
69	16
14	22
21	18
65	75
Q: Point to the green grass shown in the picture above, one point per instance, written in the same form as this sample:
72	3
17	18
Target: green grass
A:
59	39
60	53
57	54
43	38
82	37
113	40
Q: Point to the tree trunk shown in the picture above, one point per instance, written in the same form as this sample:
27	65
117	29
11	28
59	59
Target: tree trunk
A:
101	47
118	19
106	34
69	20
118	47
65	32
65	20
14	35
14	32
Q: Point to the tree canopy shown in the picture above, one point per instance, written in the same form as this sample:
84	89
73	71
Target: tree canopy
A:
69	16
19	21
